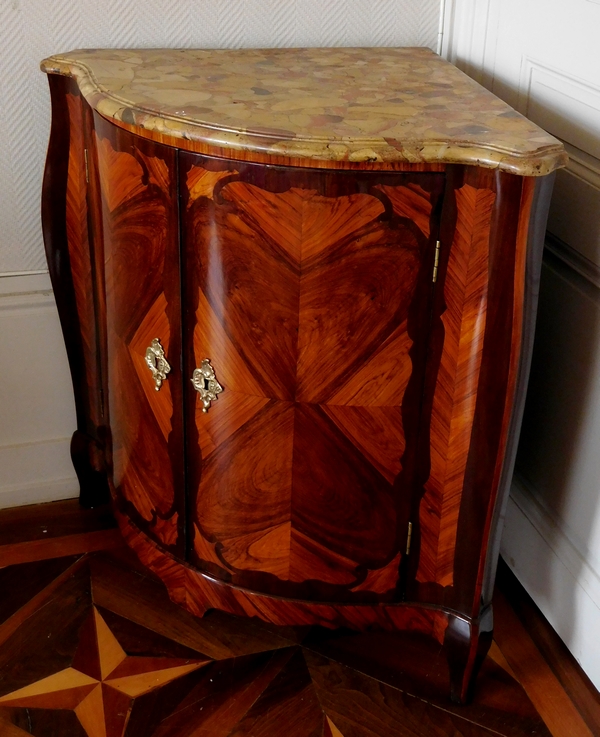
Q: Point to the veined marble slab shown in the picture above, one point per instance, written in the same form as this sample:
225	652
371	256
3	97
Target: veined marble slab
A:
342	104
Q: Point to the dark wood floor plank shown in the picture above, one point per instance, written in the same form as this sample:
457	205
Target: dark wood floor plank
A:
7	728
10	626
48	640
289	700
350	684
57	547
19	584
52	723
225	694
416	665
146	602
143	642
150	710
572	678
55	519
535	675
359	705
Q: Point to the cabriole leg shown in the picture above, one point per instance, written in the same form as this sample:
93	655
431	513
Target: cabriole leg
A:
466	645
88	462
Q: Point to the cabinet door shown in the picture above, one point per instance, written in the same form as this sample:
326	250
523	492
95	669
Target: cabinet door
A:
310	294
139	215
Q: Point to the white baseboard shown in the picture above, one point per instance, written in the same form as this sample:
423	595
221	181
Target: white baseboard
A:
559	579
25	283
39	493
37	413
33	473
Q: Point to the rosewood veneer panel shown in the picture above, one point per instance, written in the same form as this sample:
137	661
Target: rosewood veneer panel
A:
71	263
141	276
307	290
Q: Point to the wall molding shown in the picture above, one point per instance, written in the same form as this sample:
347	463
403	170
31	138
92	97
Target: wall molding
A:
25	282
469	35
446	31
26	302
573	219
530	65
562	582
577	561
467	31
573	259
565	104
583	166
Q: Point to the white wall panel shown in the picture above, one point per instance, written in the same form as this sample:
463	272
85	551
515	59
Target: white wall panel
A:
569	107
558	454
563	104
574	214
33	29
35	473
552	536
37	412
558	578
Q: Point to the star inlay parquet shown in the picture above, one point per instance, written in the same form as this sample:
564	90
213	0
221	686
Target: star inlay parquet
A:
103	681
103	652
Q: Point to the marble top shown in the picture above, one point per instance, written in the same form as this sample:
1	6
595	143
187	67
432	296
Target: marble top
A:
341	104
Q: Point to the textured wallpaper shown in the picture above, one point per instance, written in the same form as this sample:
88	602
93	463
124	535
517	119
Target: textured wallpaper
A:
33	29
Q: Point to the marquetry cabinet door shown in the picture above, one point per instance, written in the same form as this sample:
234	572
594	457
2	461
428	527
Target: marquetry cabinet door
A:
138	222
309	296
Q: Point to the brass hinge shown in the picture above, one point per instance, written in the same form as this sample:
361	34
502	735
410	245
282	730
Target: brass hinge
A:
409	538
436	261
87	167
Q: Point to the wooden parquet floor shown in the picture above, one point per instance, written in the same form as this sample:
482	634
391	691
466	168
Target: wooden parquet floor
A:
91	646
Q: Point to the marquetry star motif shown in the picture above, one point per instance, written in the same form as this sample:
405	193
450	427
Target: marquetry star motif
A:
102	682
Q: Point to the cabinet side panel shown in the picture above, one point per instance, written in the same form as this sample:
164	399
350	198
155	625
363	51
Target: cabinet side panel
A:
80	255
482	354
138	184
68	251
532	231
497	385
465	291
476	343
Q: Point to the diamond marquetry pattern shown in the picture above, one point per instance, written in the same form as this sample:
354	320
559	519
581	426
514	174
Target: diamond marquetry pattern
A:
142	303
304	307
